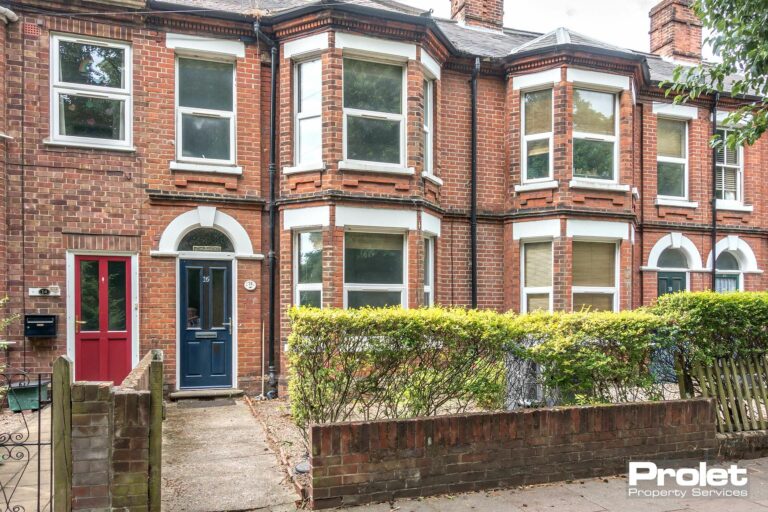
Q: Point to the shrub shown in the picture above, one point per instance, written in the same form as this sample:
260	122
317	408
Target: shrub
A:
594	357
394	363
707	325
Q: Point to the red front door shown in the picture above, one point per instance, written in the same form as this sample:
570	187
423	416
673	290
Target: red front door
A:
102	318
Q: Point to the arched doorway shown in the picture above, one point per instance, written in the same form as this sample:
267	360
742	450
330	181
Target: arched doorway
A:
673	272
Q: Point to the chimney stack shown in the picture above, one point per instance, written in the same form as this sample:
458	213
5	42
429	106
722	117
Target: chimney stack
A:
676	31
479	13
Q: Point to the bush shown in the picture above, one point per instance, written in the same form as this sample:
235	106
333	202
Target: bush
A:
395	363
594	357
708	325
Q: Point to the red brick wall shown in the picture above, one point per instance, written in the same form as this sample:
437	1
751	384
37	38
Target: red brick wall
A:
379	461
676	31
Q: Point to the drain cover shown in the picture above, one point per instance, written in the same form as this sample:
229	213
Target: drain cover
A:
195	404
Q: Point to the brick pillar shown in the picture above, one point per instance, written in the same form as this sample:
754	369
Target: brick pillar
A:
91	434
130	453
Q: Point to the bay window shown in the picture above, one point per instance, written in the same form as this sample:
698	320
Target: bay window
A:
374	123
729	171
537	135
429	125
594	135
91	92
308	124
205	111
308	284
429	271
537	276
672	158
374	269
594	276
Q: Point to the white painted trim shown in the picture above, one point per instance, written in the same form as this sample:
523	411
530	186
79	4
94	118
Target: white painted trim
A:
430	224
598	185
722	115
310	167
608	230
184	43
217	169
375	46
606	81
306	46
69	259
376	218
430	65
741	249
537	185
431	177
734	206
677	203
548	228
354	165
184	223
550	77
675	241
88	145
671	110
312	216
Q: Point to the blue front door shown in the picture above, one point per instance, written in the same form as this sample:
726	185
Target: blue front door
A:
205	299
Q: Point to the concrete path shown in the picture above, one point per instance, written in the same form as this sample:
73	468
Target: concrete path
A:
215	459
595	495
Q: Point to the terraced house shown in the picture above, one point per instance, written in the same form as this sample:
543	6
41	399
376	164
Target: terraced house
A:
177	174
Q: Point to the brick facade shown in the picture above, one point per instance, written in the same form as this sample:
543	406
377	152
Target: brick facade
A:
61	200
379	461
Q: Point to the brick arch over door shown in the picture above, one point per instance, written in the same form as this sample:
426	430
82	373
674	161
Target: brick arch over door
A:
207	217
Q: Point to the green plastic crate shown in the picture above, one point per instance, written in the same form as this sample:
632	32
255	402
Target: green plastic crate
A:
24	396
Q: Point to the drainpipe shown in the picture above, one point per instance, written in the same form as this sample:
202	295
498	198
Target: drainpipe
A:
272	255
473	185
714	192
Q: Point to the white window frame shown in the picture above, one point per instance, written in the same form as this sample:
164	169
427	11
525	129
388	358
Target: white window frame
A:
536	290
429	126
429	243
357	287
607	290
539	136
372	114
303	287
672	160
301	116
739	272
739	201
598	137
219	114
59	87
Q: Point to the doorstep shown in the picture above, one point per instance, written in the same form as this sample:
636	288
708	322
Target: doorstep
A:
201	394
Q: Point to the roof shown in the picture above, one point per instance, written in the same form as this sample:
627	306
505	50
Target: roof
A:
275	7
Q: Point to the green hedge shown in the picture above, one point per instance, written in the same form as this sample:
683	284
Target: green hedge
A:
705	325
393	363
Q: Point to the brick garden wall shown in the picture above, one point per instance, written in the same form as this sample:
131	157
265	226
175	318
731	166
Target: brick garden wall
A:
378	461
111	443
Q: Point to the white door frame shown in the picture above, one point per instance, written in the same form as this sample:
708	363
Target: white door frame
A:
70	286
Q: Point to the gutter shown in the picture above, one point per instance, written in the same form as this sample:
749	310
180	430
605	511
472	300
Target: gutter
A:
271	207
473	186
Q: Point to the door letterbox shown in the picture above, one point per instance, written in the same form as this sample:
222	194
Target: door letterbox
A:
40	326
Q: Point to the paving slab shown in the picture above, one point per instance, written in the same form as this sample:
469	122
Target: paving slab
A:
215	459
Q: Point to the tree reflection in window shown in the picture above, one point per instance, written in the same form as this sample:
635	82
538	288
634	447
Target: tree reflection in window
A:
207	240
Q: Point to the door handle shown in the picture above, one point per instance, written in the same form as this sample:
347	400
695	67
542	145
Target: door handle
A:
229	325
78	323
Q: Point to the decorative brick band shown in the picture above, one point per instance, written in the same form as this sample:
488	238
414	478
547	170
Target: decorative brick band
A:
362	462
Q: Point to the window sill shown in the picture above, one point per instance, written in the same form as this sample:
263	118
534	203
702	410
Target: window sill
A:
540	185
676	203
298	169
598	185
431	177
88	145
217	169
345	165
733	206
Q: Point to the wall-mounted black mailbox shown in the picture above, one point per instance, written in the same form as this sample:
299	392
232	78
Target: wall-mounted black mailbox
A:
40	326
